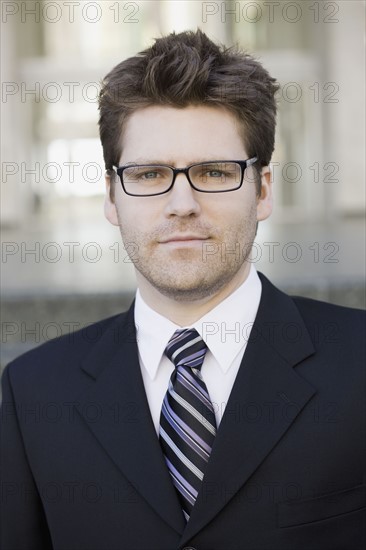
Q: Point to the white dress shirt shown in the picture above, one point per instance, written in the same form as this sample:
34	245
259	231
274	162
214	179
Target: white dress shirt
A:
225	329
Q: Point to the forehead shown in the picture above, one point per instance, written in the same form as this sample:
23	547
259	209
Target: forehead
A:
182	134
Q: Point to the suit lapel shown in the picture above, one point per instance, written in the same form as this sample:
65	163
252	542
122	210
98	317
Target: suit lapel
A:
265	400
124	426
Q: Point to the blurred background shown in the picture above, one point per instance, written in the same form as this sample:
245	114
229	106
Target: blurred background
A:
63	266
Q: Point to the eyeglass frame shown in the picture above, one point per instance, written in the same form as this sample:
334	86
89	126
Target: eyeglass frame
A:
244	164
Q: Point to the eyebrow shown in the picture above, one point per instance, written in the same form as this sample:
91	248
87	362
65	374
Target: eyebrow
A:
170	162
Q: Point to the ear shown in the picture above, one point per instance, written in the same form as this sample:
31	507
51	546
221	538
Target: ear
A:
110	210
265	199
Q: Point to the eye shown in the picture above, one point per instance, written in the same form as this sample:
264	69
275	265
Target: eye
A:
215	173
149	175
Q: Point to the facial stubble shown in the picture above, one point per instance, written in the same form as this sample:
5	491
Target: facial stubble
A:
191	274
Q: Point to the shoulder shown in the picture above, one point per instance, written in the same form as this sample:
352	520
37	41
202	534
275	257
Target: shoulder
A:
311	309
59	357
333	324
309	306
316	308
325	323
318	311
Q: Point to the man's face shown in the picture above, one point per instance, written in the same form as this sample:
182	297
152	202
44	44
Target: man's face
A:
221	226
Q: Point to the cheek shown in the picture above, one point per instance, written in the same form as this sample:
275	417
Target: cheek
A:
230	214
240	224
136	219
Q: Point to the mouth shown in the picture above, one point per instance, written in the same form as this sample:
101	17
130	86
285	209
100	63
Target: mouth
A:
184	240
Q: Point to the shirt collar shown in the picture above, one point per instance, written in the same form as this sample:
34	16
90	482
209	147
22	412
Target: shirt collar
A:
225	328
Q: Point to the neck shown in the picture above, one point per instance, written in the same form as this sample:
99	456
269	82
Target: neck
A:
187	313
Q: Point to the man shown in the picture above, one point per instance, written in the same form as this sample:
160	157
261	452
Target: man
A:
217	413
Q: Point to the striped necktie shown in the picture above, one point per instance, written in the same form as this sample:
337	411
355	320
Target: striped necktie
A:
187	420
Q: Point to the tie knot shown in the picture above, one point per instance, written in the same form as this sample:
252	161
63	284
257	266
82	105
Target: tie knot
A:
186	347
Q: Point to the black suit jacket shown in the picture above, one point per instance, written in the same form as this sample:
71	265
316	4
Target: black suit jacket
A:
83	470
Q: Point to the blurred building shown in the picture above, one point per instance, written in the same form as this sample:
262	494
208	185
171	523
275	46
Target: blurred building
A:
61	261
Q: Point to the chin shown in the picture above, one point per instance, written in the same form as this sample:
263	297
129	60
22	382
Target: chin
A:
187	291
183	295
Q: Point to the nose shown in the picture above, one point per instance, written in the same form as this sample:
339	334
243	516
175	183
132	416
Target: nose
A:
182	198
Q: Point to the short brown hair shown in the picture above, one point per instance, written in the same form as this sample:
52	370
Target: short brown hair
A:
185	69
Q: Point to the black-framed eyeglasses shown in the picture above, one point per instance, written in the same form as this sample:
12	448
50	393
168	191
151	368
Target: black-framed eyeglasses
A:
218	176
